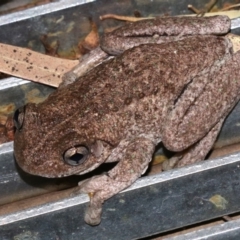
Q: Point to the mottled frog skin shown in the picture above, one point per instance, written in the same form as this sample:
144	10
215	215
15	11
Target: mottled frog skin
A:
176	92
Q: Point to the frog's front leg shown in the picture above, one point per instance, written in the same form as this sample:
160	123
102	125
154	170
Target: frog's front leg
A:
133	164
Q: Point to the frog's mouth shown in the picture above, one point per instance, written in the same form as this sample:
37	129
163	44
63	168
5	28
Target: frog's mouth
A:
76	160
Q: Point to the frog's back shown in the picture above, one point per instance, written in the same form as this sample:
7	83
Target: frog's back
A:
141	80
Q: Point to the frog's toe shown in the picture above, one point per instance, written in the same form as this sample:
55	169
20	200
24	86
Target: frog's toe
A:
94	187
94	210
93	215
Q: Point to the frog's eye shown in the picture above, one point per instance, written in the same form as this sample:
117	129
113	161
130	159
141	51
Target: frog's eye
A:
18	118
75	155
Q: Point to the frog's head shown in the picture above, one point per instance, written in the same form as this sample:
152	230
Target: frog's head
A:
49	146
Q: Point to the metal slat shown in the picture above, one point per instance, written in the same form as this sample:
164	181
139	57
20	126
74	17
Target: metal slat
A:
153	204
229	230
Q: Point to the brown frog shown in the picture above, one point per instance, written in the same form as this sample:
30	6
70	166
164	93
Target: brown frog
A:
178	92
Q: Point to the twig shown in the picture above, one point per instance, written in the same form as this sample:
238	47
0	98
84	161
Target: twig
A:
192	8
230	7
123	18
208	8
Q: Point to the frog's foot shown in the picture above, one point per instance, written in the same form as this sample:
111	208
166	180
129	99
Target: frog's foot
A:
93	187
196	153
133	164
98	189
93	212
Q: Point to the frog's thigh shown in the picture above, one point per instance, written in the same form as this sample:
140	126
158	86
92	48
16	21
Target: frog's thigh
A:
203	103
197	152
134	163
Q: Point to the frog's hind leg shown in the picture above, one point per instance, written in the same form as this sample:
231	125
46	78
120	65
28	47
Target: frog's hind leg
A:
195	153
131	166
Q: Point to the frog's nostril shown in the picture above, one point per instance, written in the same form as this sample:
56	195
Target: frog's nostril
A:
75	155
18	118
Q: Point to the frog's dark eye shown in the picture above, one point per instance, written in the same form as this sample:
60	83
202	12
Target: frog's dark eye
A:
18	118
75	155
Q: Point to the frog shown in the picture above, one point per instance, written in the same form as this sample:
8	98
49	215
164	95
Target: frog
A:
177	92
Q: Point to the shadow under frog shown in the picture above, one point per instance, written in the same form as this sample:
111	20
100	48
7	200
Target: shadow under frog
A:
178	92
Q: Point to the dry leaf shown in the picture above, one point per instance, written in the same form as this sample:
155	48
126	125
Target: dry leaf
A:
158	159
235	39
219	201
37	67
50	49
90	42
6	128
